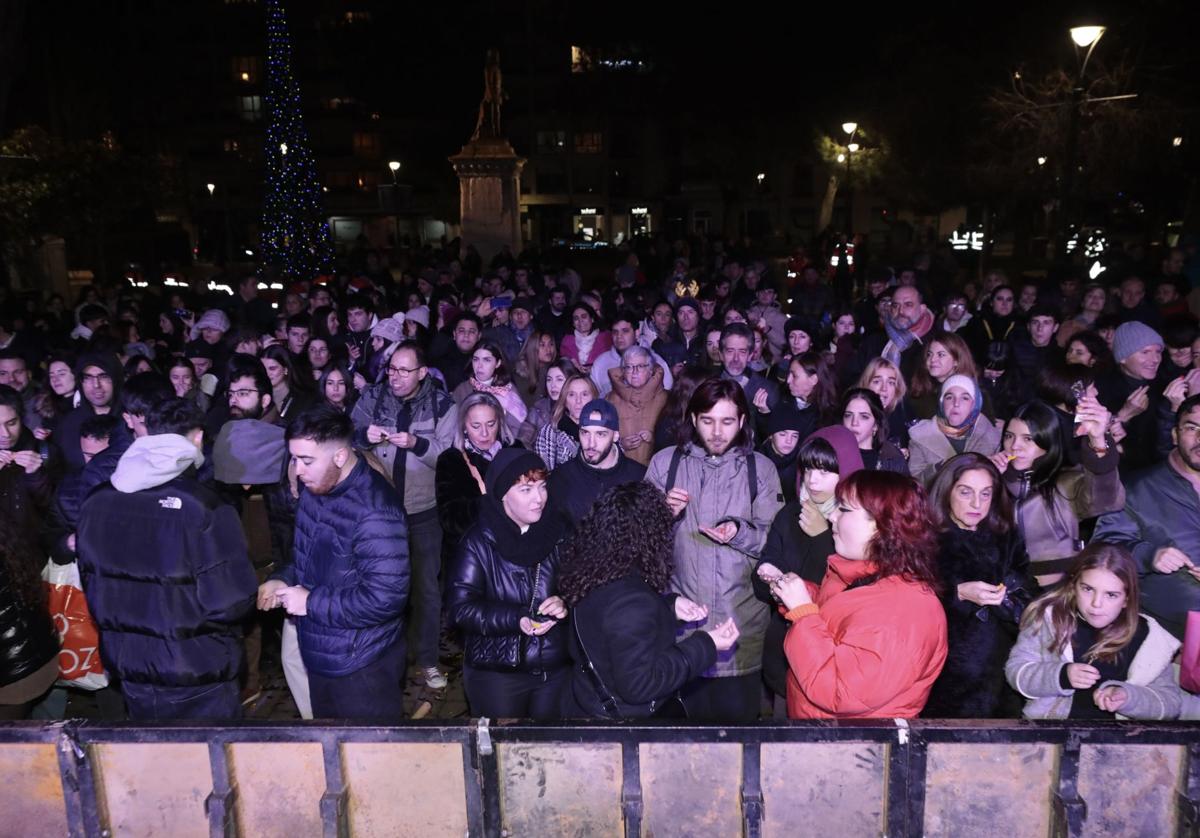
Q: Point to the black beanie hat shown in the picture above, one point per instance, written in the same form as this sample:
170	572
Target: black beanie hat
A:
506	469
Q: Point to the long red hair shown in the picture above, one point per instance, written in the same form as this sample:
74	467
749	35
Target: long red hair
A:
905	542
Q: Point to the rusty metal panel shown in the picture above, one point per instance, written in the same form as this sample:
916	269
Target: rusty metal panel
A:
560	789
980	790
31	794
823	789
1130	789
691	789
405	789
168	800
279	788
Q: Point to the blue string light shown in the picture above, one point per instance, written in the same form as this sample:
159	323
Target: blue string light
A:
295	237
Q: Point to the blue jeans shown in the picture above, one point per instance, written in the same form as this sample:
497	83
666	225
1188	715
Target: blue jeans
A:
425	594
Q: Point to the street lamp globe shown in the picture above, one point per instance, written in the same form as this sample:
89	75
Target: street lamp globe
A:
841	158
849	127
394	165
212	187
1085	36
852	147
1177	142
1041	161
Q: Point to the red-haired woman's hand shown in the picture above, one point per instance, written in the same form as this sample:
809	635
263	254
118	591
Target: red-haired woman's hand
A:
791	590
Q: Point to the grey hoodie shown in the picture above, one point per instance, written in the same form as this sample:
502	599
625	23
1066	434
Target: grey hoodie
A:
154	460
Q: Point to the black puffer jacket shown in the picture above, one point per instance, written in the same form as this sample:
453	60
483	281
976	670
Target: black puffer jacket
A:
27	636
488	594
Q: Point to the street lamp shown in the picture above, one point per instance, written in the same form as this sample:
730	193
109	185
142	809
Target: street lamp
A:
394	165
1041	161
760	177
1086	36
1177	142
850	128
212	187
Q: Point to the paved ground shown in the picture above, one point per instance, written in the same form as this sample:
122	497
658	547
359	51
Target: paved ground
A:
276	703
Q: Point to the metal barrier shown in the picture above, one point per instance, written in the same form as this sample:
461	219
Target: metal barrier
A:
931	778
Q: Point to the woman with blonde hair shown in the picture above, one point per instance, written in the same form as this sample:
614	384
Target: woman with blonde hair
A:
884	378
558	440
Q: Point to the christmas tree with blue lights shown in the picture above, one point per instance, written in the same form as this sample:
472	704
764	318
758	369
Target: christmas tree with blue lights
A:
295	235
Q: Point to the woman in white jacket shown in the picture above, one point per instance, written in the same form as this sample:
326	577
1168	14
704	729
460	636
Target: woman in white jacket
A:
1086	653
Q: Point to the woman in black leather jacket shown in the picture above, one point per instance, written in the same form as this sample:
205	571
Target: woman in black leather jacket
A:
502	594
28	640
986	585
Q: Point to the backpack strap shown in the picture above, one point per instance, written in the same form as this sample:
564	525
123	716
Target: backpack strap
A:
752	475
676	458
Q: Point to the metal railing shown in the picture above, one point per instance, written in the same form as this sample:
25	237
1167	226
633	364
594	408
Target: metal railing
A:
895	778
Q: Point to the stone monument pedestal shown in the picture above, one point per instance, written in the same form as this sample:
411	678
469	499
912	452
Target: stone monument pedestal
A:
489	187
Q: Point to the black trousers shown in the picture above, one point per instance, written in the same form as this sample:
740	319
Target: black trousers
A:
375	692
212	702
733	699
514	695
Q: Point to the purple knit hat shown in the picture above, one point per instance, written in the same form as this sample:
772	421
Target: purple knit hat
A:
844	445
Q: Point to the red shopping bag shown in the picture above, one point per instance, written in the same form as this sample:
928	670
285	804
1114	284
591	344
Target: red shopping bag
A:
1189	667
79	653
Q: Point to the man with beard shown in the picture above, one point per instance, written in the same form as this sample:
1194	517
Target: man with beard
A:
99	375
348	581
905	324
724	497
737	342
249	465
1160	525
597	467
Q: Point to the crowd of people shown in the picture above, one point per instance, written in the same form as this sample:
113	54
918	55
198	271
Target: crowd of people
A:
727	489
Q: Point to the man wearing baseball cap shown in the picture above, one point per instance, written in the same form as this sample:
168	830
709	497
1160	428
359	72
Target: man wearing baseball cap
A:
1134	396
599	465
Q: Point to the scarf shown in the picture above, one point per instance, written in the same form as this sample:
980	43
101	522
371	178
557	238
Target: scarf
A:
900	339
489	454
961	430
584	344
526	549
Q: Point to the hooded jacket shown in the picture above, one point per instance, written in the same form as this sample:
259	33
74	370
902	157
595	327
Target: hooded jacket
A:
867	653
720	575
169	611
66	433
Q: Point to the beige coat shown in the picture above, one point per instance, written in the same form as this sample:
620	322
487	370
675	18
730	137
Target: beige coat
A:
638	409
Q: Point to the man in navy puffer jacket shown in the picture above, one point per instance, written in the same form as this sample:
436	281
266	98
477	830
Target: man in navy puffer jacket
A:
349	579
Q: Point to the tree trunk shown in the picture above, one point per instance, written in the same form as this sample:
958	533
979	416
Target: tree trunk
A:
826	215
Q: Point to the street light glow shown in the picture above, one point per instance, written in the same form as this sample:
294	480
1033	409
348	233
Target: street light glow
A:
1177	142
760	177
1085	36
841	158
394	165
849	127
212	187
1041	161
283	148
853	147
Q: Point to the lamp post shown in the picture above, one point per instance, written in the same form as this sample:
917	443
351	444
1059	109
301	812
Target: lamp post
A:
1084	38
850	128
394	166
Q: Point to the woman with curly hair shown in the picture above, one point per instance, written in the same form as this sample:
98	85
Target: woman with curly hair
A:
615	580
871	640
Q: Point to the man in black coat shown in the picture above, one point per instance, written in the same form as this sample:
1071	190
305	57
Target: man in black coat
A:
169	612
598	466
99	375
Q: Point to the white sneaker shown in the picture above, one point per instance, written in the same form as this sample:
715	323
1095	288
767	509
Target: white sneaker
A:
434	679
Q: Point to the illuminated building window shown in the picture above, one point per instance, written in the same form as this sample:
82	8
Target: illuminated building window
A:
589	142
246	69
366	144
250	108
358	17
231	146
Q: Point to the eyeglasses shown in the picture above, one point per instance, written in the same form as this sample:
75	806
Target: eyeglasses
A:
402	370
242	394
638	367
97	379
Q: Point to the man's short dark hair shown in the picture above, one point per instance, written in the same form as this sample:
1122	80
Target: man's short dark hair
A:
242	365
174	416
465	316
627	316
415	348
321	424
142	392
10	354
1045	310
100	426
737	330
1189	404
299	321
11	399
360	301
